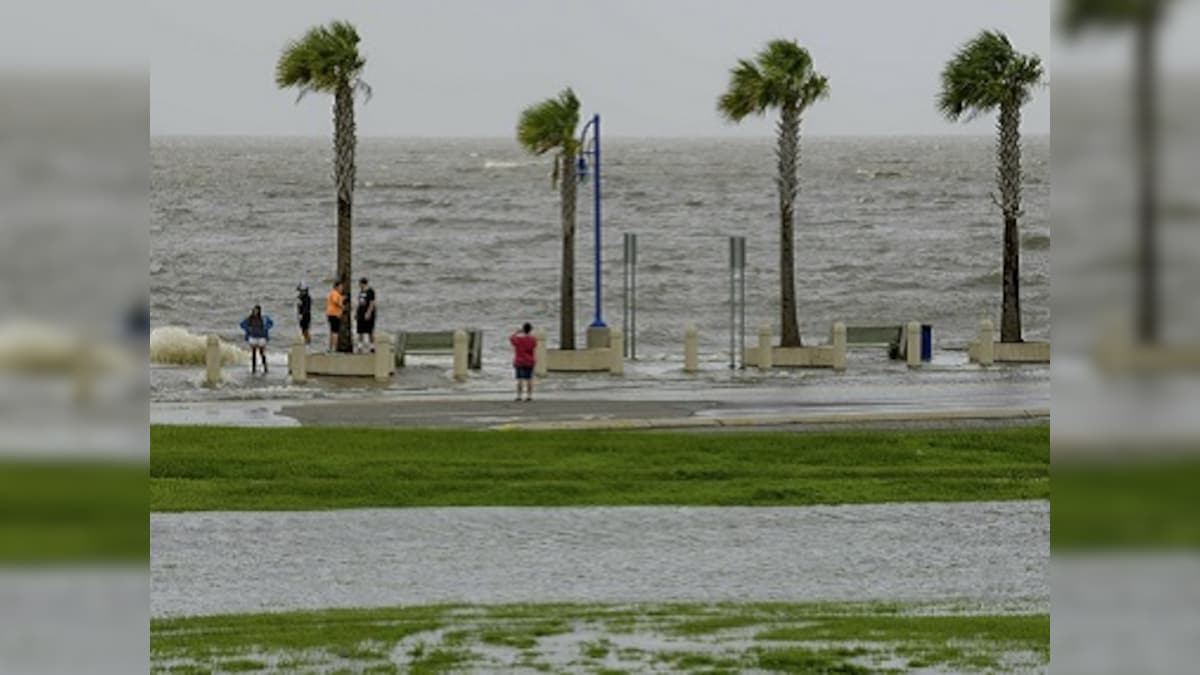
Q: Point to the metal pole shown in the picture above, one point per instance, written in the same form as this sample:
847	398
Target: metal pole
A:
732	302
633	301
625	296
742	297
599	320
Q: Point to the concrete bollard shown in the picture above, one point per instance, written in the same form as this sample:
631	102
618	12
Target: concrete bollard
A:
212	361
987	346
298	361
616	342
912	344
691	349
764	347
539	353
839	346
385	359
460	355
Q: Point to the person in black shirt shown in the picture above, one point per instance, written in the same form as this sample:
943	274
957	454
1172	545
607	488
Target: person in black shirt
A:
304	311
365	315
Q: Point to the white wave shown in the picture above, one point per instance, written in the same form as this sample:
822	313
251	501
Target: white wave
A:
176	346
36	347
500	164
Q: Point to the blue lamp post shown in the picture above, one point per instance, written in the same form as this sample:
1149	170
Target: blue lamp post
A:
593	149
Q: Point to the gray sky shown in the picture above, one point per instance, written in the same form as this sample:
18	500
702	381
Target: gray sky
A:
649	67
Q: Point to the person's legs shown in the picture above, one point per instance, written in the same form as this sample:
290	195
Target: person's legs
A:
529	388
253	358
262	351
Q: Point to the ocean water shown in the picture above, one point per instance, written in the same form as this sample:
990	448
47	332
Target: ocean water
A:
465	233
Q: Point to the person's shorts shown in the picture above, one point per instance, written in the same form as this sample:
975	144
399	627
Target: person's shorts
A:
365	326
257	341
305	323
335	323
524	372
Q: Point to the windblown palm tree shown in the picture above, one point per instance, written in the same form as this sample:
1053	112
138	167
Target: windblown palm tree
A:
326	60
780	77
988	74
1144	16
542	127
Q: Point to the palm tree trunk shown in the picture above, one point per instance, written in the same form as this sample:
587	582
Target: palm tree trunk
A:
1147	209
1009	175
567	191
788	155
344	169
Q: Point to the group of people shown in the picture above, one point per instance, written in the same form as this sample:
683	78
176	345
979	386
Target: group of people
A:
337	310
257	329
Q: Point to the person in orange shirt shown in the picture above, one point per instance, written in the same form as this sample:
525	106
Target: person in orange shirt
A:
335	304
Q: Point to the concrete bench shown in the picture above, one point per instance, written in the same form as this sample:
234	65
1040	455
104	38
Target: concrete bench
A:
439	342
876	335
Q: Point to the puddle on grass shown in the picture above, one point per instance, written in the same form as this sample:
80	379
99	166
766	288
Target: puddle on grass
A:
642	639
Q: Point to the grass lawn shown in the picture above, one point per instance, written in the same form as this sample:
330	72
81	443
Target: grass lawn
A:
714	638
213	468
1126	505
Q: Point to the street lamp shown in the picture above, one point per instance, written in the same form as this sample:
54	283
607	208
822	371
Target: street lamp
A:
596	338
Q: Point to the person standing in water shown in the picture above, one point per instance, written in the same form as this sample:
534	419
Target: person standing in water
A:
335	304
364	316
258	332
304	311
524	345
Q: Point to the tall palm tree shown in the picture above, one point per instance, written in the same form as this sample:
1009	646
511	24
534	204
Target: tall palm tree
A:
780	77
326	60
988	74
1144	16
542	127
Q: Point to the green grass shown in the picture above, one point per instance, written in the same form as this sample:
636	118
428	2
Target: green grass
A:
206	468
727	637
72	511
1149	505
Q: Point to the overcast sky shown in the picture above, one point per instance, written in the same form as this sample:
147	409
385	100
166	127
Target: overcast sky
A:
650	67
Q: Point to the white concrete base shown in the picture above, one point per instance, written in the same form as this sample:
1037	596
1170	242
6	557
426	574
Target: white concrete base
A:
765	356
820	356
1022	352
579	360
984	351
380	365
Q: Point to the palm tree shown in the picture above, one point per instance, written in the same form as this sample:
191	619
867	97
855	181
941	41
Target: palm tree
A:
542	127
326	60
988	74
780	77
1145	16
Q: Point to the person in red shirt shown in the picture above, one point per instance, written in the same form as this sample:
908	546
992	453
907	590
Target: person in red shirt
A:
524	344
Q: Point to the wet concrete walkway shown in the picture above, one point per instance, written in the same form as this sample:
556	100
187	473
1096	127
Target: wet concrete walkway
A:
207	563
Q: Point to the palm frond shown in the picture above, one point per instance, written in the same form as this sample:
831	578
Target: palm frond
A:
1077	15
984	74
323	59
781	75
550	124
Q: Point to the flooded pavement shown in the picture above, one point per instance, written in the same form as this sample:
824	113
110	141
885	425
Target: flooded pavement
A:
605	397
222	562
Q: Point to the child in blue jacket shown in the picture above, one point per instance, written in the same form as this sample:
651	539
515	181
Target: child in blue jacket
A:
258	332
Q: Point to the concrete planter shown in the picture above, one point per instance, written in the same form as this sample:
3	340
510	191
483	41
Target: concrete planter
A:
985	351
579	360
380	365
820	356
1022	352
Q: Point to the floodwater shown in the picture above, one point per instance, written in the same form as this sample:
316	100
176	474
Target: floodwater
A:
222	562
